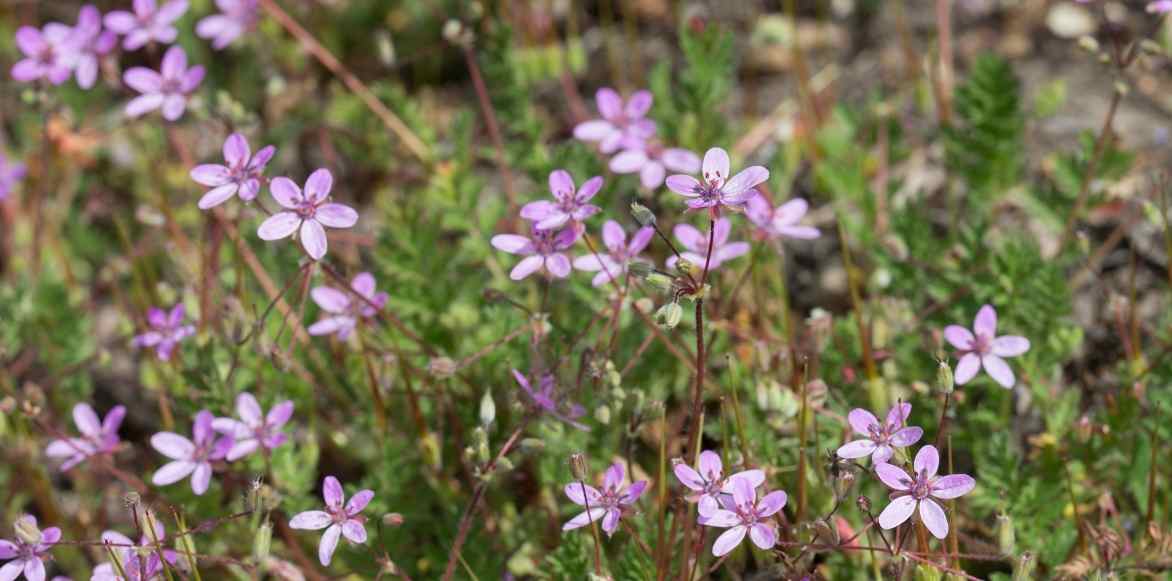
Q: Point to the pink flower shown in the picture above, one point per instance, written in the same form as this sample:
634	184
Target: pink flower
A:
716	189
919	490
746	515
880	440
167	330
621	254
28	551
1160	6
241	176
568	205
336	519
91	43
49	53
236	18
621	126
780	222
651	162
167	89
97	437
608	504
545	400
708	484
10	174
983	348
695	243
307	213
253	430
545	250
343	310
140	562
148	23
188	457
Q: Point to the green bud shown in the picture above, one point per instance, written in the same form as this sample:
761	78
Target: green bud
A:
504	464
1006	536
263	541
669	315
532	444
944	377
602	414
660	282
643	215
487	409
640	269
685	266
1023	568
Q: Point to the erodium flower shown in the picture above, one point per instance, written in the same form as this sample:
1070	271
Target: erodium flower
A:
29	551
241	176
880	439
919	490
167	89
607	504
716	190
780	222
746	515
695	244
91	43
545	399
190	457
708	483
307	213
569	205
619	254
336	519
10	174
235	18
49	53
652	161
981	347
343	310
148	23
622	125
140	562
544	250
166	331
252	429
97	436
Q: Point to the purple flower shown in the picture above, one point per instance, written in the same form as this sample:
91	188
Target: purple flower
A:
148	23
167	89
27	552
97	437
190	458
746	514
651	162
545	250
569	205
91	43
139	562
918	490
307	212
614	263
983	348
167	330
236	18
880	440
336	519
241	176
253	430
545	400
49	53
607	504
695	244
716	189
10	174
343	310
780	222
1160	6
708	483
621	126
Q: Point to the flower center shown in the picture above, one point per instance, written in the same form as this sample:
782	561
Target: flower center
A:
982	343
920	486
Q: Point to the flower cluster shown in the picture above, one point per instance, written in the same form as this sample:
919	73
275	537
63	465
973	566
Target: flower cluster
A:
625	130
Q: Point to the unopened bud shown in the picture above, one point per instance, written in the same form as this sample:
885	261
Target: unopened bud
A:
669	315
487	409
660	282
1088	43
685	266
640	269
602	414
1006	536
393	519
643	215
441	367
578	465
263	541
532	445
504	464
27	531
944	377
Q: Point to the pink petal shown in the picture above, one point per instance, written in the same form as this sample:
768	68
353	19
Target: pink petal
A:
201	478
743	493
561	185
999	370
329	543
588	190
584	519
799	232
319	184
1010	346
907	436
172	445
526	267
171	11
610	104
7	550
789	213
354	531
553	221
967	368
770	504
29	40
640	240
249	410
211	175
862	421
688	477
683	184
332	493
173	107
139	106
651	176
985	322
638	104
629	161
310	520
710	466
336	215
728	541
330	325
959	337
680	160
594	130
120	21
763	535
953	486
856	449
613	236
894	477
613	478
897	512
933	517
690	237
590	263
558	265
722	518
313	239
730	251
192	78
174	63
34	569
143	80
359	502
715	165
539	210
755	477
927	461
330	299
512	244
172	472
26	71
278	226
236	150
286	193
898	414
86	420
216	196
279	414
746	179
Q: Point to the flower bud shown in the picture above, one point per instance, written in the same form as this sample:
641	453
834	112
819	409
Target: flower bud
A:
640	269
685	266
441	367
263	541
1006	536
578	465
27	530
487	409
602	414
944	377
532	444
660	282
669	315
393	519
504	464
643	215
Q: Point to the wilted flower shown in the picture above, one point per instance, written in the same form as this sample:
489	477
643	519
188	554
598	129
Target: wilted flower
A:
746	515
621	126
97	437
139	562
236	17
918	491
91	43
336	519
780	222
652	160
241	176
28	551
10	174
608	504
880	439
308	212
190	458
545	250
148	23
716	189
167	89
253	429
569	205
49	53
343	310
166	331
545	399
621	254
695	243
983	348
708	483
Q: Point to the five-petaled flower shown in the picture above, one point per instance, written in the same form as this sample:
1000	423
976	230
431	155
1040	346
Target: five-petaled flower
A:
307	212
569	205
780	222
620	253
240	177
696	245
919	490
166	331
235	18
91	43
545	250
622	126
344	309
709	485
29	551
97	436
716	190
252	429
745	514
190	457
148	23
607	504
546	401
651	160
880	439
49	53
336	519
140	562
167	89
981	347
10	174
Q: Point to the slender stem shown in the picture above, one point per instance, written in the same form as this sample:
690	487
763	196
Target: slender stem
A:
1092	166
593	532
494	130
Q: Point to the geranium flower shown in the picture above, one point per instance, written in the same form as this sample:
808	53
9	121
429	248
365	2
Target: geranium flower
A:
190	458
167	330
49	53
149	22
545	400
708	484
621	126
338	520
545	250
620	252
919	490
10	174
254	430
746	515
139	562
241	176
569	205
236	17
695	243
780	222
307	213
652	160
90	43
880	439
97	436
716	190
983	348
167	89
343	311
29	551
607	504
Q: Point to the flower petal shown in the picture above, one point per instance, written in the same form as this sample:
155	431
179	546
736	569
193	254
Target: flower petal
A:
278	226
894	477
359	502
651	176
897	512
714	167
330	299
332	493
311	520
561	184
1010	346
286	193
216	196
906	436
746	179
856	449
927	461
684	185
999	370
953	486
985	323
201	477
934	519
688	476
512	243
959	337
584	519
770	504
763	535
967	368
328	544
526	267
86	420
313	239
628	161
354	531
139	106
172	472
558	265
318	185
172	445
862	421
680	160
588	190
728	540
336	215
638	104
610	104
594	130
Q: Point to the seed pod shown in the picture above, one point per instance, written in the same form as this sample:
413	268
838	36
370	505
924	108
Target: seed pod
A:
263	541
578	465
1006	536
487	409
27	530
669	315
643	215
